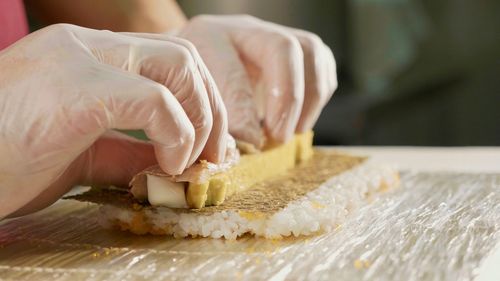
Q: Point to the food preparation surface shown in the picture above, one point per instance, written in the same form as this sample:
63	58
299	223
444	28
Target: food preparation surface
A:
437	226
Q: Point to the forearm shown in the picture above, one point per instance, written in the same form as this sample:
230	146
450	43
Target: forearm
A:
115	15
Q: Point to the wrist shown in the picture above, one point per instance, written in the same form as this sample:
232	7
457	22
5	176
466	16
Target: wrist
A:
162	18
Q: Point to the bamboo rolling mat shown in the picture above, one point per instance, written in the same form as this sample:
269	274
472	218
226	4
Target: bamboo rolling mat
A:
438	226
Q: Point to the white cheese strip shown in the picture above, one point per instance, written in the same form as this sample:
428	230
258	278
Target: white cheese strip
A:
164	192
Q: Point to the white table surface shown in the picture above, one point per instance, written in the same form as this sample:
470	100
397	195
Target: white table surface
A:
456	159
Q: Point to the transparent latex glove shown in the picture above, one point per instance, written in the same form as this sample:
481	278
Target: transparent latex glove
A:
266	73
63	88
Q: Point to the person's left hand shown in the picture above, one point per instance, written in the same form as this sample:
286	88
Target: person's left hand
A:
265	72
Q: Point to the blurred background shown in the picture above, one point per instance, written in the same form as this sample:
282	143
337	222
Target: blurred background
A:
411	72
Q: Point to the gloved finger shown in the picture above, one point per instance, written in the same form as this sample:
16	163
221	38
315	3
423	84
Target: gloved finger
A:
228	71
318	65
113	159
251	124
279	57
165	62
215	148
331	69
123	100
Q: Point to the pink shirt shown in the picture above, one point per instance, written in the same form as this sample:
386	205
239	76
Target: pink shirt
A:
13	24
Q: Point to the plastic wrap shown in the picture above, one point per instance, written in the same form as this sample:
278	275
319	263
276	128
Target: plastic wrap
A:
437	226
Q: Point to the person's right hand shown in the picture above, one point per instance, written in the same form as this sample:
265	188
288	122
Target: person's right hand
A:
63	88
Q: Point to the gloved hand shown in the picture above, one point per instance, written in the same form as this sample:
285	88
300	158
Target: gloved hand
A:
64	87
286	74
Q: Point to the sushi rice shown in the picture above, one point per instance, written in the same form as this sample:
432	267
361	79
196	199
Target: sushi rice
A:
322	209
